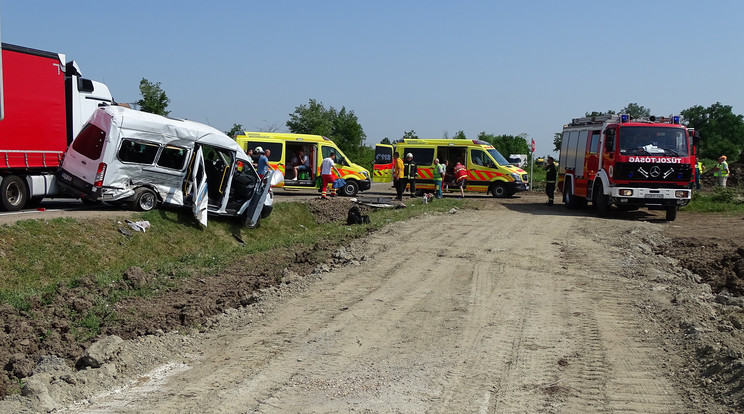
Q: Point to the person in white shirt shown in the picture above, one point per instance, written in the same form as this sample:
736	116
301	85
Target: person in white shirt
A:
326	174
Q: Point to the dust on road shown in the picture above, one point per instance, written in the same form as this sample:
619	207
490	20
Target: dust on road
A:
510	307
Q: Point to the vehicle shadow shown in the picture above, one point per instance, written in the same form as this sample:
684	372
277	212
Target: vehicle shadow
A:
560	209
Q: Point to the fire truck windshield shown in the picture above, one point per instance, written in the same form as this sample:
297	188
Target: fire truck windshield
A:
654	141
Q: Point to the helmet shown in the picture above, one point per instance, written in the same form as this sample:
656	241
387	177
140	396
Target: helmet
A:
409	155
259	150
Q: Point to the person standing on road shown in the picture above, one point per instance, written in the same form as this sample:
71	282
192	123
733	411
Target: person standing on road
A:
326	174
699	170
721	171
438	176
550	177
461	177
263	162
410	172
398	176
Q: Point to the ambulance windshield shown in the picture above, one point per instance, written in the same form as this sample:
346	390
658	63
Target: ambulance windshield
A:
497	156
653	141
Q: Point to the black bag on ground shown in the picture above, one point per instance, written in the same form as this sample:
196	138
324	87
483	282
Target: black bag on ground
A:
356	217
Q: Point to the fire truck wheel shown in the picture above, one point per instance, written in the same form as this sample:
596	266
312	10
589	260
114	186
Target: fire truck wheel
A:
499	190
671	213
13	193
144	199
601	201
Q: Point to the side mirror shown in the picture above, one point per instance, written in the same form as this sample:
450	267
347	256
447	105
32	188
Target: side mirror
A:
610	140
696	139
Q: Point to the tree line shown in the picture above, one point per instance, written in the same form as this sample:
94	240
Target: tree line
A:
721	131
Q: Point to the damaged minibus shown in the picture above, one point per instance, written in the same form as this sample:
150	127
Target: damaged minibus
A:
128	157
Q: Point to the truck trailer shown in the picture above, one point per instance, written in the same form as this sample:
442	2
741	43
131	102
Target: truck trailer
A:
46	102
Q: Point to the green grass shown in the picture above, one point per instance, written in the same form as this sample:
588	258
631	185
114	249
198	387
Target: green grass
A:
721	200
38	256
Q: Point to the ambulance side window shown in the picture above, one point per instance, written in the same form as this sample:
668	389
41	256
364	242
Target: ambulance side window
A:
480	158
422	156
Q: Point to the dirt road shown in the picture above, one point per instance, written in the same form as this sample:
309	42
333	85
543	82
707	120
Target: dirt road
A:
509	308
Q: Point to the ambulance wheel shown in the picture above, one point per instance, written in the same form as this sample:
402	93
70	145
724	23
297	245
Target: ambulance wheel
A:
499	190
144	199
13	193
350	189
601	201
671	213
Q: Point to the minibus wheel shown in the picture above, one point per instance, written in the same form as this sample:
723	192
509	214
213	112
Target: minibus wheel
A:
144	199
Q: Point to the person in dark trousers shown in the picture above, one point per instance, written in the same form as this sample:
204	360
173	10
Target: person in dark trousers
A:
550	178
410	173
398	176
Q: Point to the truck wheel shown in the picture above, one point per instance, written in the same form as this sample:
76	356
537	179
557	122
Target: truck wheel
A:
499	190
13	193
144	200
601	201
570	199
350	189
671	213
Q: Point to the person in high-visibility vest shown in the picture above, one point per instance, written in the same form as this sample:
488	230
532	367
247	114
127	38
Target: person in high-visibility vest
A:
699	170
550	177
721	171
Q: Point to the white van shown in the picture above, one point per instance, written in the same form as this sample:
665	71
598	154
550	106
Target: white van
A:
123	156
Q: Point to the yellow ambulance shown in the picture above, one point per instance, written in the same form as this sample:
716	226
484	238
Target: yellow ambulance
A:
288	150
488	170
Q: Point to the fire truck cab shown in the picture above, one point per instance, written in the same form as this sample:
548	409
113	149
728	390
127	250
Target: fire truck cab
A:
614	160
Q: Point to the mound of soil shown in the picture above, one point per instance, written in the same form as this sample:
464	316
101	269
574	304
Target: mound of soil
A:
46	327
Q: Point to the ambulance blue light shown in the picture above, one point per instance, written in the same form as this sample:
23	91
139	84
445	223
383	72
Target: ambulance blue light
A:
675	119
624	118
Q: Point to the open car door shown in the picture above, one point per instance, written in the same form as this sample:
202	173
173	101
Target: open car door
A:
199	191
252	209
383	172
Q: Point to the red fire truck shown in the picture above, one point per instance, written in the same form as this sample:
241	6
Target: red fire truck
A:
615	160
46	103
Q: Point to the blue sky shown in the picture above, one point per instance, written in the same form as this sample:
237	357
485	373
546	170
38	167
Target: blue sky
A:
503	67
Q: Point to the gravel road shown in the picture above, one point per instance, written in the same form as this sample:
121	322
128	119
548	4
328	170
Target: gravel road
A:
508	308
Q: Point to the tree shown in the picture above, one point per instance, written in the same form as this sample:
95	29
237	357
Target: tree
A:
409	135
340	126
721	131
506	144
236	129
386	141
154	99
636	111
459	135
595	113
557	141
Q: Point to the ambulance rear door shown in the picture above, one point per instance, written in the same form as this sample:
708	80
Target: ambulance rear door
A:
383	171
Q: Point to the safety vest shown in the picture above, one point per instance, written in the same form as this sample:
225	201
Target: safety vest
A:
723	170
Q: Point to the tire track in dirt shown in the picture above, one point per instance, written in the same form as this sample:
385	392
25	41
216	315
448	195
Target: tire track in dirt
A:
482	312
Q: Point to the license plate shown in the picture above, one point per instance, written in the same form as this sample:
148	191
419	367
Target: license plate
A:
654	195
